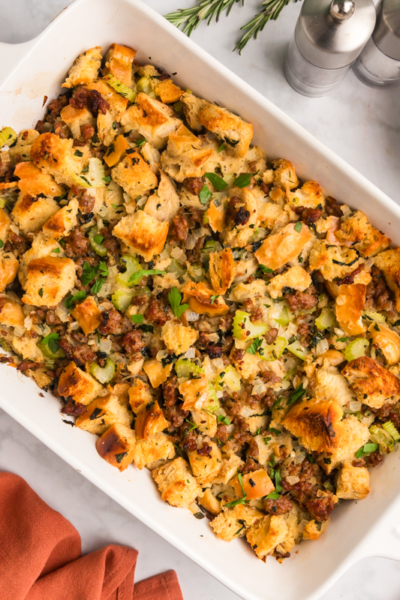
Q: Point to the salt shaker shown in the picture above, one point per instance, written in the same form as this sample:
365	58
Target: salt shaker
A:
379	63
329	36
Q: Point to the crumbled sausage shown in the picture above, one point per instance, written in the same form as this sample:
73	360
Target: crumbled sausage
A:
133	341
157	313
280	506
308	215
76	244
180	228
194	184
80	354
113	322
320	508
302	300
91	99
73	408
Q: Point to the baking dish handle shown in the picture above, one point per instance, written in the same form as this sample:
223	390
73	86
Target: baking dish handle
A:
384	539
10	56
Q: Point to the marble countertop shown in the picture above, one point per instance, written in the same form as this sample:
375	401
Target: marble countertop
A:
358	123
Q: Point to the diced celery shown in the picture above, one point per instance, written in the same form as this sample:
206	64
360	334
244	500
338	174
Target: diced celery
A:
211	246
229	377
178	106
49	354
103	374
95	245
298	350
244	329
285	316
132	266
7	136
121	88
356	348
391	430
144	86
373	316
213	396
176	268
185	368
122	299
326	319
93	177
196	272
382	438
272	351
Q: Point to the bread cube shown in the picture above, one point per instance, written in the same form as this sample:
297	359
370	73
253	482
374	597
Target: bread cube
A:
389	262
88	315
102	413
388	341
352	482
202	299
5	223
176	483
58	157
48	280
222	270
22	149
27	347
41	246
333	261
283	246
11	313
188	156
119	63
265	535
295	278
8	269
78	385
237	235
63	221
33	181
358	231
85	68
163	205
205	467
309	196
373	384
30	213
156	373
178	338
233	522
314	530
152	450
150	420
134	175
331	385
246	364
168	91
230	465
195	393
210	502
350	436
154	120
76	118
142	234
117	446
139	395
349	306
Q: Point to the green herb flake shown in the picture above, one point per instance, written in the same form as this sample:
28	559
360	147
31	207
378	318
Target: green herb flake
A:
56	250
296	395
78	153
243	180
298	226
96	287
136	277
41	292
137	318
265	269
222	147
217	181
224	420
255	346
1	243
98	238
205	194
107	179
175	298
213	298
71	300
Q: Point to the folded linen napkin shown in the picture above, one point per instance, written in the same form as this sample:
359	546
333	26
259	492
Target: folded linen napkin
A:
40	557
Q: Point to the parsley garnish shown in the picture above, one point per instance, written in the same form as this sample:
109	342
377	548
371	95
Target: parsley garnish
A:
213	298
72	299
222	147
88	273
366	449
217	181
41	292
140	142
265	269
56	250
98	238
175	298
136	277
343	339
205	194
96	287
273	496
298	226
107	179
243	180
103	269
193	425
266	440
51	341
296	395
120	456
78	153
255	346
278	479
1	243
241	500
224	420
147	329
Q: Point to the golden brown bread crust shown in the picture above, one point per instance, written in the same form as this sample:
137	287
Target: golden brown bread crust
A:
8	269
150	420
373	384
283	247
78	385
33	181
142	233
117	446
48	280
222	270
88	315
349	306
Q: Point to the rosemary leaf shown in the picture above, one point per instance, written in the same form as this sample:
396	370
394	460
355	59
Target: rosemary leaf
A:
205	10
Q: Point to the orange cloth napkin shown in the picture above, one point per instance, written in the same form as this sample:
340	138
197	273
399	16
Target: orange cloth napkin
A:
40	557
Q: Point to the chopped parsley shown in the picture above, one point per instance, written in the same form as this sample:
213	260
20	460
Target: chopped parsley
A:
241	500
71	300
217	181
366	449
136	277
243	180
213	298
51	341
255	346
205	194
265	269
222	147
298	226
296	395
78	153
175	298
224	420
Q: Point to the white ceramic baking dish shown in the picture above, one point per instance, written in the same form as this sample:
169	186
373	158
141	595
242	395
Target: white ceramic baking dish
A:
30	71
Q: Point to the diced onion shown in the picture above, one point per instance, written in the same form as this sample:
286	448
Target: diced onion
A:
191	315
322	347
191	353
355	406
292	479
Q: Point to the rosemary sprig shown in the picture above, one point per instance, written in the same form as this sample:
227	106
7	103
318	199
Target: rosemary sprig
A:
272	10
190	18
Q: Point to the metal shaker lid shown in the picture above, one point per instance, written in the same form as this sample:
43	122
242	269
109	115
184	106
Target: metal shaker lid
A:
331	33
387	31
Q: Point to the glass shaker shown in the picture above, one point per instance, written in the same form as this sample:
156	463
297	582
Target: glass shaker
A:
329	36
379	63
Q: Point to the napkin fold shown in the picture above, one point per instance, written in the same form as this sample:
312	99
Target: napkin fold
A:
40	556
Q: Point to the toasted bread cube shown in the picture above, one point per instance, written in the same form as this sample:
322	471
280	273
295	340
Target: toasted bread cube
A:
48	280
314	530
78	385
150	420
33	181
8	269
156	373
176	483
333	261
195	393
142	234
119	63
63	221
352	482
27	347
315	423
210	502
358	231
88	315
231	463
5	223
231	129
284	174
238	235
177	337
233	522
389	262
154	120
267	534
349	306
85	68
102	413
222	270
295	278
246	365
168	91
350	436
387	341
31	213
256	485
155	448
22	149
205	422
134	175
283	246
308	196
373	384
163	205
58	157
331	385
11	313
117	446
188	156
41	246
139	395
76	118
205	467
202	299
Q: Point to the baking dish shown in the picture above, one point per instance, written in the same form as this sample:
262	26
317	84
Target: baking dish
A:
30	71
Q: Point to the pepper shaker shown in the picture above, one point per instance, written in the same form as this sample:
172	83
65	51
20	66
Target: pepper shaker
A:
379	63
329	36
